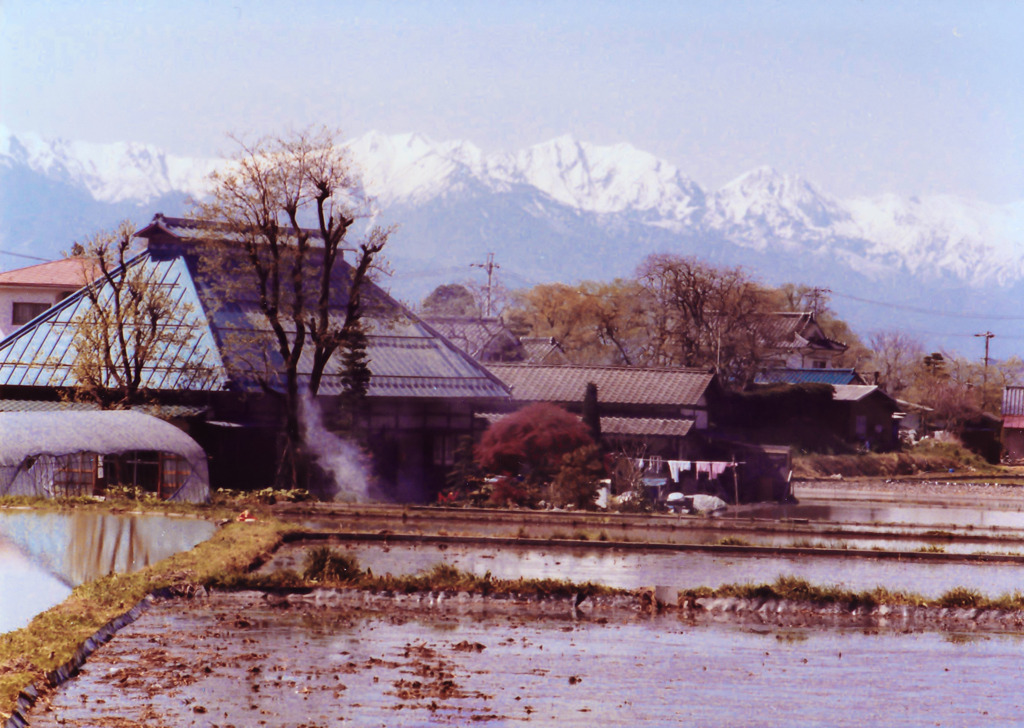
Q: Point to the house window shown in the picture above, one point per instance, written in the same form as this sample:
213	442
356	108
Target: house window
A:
818	364
24	312
444	449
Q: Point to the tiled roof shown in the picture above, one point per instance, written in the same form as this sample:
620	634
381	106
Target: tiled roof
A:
406	357
649	426
809	376
542	350
796	330
484	339
857	392
618	385
67	273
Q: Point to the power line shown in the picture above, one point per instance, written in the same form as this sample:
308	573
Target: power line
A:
927	311
23	255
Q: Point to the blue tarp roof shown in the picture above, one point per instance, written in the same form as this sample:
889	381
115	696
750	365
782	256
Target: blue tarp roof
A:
809	376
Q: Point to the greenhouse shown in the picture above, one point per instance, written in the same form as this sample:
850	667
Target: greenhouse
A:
60	454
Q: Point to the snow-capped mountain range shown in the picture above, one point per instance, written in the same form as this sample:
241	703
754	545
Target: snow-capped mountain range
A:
562	210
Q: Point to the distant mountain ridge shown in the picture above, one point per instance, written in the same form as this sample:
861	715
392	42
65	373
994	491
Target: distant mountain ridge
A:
561	210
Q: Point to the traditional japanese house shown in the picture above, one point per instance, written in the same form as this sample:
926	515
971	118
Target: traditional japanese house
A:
422	394
651	410
795	340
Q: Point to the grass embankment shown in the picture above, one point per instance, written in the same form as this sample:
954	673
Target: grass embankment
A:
927	457
326	567
52	638
793	589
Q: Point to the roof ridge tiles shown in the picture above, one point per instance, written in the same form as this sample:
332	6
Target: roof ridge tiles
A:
610	367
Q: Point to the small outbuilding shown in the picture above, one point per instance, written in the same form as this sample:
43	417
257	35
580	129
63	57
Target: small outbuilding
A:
53	454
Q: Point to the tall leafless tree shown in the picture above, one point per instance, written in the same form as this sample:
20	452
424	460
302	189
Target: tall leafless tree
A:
258	207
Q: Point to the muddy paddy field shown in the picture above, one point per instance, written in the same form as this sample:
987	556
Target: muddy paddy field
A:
326	657
243	660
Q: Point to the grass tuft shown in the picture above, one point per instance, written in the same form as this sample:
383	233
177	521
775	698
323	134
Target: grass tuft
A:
325	565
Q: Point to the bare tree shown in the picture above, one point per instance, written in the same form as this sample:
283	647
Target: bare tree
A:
263	250
706	316
897	357
133	325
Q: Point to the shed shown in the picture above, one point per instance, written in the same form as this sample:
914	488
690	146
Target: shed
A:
1013	422
866	414
76	453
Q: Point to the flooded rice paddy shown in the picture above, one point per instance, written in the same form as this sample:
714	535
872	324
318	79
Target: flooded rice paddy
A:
250	659
237	661
43	555
631	568
935	516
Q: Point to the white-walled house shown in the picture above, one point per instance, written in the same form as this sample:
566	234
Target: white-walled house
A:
27	292
797	341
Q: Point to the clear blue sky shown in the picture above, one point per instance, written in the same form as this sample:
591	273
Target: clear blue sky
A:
861	97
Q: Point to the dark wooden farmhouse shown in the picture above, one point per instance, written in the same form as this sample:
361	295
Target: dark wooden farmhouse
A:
664	418
423	391
649	410
866	415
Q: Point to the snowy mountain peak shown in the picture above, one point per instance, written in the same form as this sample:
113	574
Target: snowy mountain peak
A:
605	179
613	188
764	205
117	172
412	169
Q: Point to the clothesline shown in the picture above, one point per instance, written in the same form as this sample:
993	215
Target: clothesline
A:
713	468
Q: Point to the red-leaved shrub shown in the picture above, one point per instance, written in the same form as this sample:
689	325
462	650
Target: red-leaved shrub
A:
531	442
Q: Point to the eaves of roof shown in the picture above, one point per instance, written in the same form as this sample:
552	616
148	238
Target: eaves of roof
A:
616	385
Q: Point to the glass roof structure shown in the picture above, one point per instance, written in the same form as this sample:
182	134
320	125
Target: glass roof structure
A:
229	336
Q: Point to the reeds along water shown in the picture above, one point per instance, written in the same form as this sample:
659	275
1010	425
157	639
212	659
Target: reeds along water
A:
338	458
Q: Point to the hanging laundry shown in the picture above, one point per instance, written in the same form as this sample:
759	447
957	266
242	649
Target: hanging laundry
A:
716	469
677	466
702	467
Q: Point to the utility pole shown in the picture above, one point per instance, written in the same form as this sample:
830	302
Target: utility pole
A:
816	296
984	377
489	266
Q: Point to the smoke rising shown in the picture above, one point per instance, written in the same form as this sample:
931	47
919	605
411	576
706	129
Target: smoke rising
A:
345	466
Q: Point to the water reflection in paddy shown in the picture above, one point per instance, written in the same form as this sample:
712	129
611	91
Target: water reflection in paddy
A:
43	555
913	515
